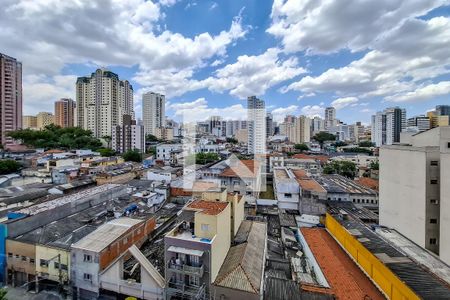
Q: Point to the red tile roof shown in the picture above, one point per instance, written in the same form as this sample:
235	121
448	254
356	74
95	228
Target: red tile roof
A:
208	207
311	185
345	278
322	158
368	182
244	169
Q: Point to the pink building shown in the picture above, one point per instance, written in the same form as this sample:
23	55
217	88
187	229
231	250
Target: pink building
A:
10	97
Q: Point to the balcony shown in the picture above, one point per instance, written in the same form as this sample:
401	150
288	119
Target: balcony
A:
185	268
181	289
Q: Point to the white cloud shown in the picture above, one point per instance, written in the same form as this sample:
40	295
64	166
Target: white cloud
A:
313	110
324	26
280	112
405	57
341	103
423	93
213	6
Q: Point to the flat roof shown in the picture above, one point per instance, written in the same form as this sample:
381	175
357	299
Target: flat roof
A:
340	184
106	234
345	278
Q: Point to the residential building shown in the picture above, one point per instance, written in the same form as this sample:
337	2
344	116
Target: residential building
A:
440	116
65	112
330	117
422	123
153	111
164	133
44	119
97	250
269	125
256	118
215	126
302	130
128	136
343	132
10	97
414	195
286	189
317	125
443	110
169	153
387	126
102	99
242	136
29	122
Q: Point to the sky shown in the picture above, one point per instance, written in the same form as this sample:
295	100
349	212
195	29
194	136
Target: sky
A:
207	57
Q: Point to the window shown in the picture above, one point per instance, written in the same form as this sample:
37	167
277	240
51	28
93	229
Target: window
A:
433	181
24	258
434	201
87	276
32	261
87	258
10	255
43	263
448	145
433	241
434	163
287	195
17	256
205	227
63	266
433	221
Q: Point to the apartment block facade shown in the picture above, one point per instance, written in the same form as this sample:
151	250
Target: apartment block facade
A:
256	118
65	112
128	136
153	111
10	97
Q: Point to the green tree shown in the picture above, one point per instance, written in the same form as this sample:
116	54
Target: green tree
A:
205	158
8	166
301	147
358	150
132	155
3	293
339	144
151	138
232	140
107	139
374	165
107	152
323	137
344	168
365	144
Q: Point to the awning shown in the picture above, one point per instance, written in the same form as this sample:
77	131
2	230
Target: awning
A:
185	251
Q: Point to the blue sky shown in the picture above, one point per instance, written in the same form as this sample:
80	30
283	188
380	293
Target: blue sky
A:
207	56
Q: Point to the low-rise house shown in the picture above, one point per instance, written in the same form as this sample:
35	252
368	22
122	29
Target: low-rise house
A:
286	189
169	153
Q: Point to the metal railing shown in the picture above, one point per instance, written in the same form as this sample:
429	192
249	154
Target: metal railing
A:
185	268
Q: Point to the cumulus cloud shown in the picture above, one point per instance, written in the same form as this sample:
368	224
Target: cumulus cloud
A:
313	110
423	93
341	103
323	26
280	112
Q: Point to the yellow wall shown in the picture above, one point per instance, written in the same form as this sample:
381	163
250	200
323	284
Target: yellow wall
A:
211	196
238	212
387	281
43	252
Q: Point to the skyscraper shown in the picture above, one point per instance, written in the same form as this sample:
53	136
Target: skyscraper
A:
10	96
128	136
302	129
102	100
153	111
44	119
387	125
330	117
256	117
269	125
64	112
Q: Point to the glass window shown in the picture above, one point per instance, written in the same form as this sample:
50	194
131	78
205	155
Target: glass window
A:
87	258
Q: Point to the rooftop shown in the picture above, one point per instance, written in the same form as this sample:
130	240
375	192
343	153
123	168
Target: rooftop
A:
368	182
106	234
208	207
243	168
346	279
340	184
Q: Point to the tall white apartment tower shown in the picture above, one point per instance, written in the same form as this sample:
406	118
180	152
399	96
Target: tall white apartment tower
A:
387	126
153	111
256	118
330	117
102	100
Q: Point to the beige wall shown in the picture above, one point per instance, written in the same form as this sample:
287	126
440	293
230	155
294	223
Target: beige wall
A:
22	256
47	253
444	244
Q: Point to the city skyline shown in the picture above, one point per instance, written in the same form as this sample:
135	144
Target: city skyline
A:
223	66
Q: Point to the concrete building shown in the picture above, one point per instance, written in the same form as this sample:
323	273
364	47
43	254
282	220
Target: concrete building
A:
169	153
422	123
330	117
317	125
414	195
10	97
387	126
286	189
440	116
29	122
302	130
164	133
256	118
153	111
96	251
128	136
65	112
44	119
269	125
102	100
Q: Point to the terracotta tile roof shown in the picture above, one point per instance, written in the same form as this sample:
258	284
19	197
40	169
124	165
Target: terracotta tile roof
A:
322	158
244	168
300	173
204	186
53	151
345	278
208	207
311	185
368	182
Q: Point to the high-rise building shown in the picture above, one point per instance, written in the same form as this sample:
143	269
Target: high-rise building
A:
128	136
302	129
102	100
387	126
10	97
153	111
414	189
216	126
256	118
443	110
269	125
317	125
421	122
44	119
29	122
440	116
330	117
64	112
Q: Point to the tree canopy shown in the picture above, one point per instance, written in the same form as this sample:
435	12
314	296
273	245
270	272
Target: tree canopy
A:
8	166
323	137
53	136
151	138
301	147
132	155
344	168
232	140
358	150
107	152
365	144
202	158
